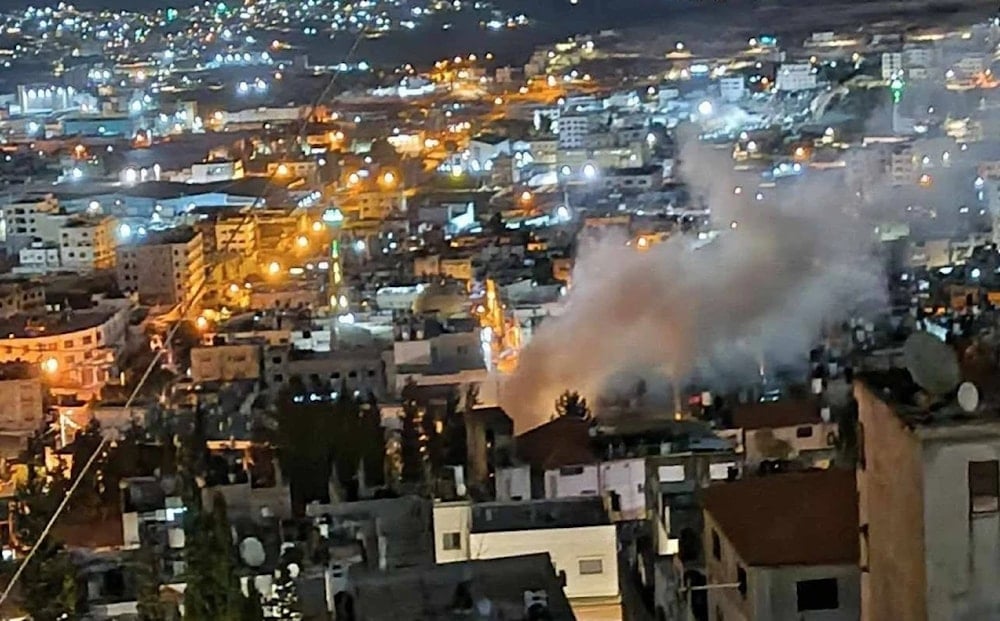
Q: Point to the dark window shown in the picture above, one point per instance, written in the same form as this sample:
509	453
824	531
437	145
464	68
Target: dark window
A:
352	374
590	566
452	541
716	546
984	486
569	471
804	432
817	594
278	378
276	360
861	446
741	578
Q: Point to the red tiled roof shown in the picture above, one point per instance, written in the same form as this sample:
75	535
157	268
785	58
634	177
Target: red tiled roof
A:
800	518
774	414
563	441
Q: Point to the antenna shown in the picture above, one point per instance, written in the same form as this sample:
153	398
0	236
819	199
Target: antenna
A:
968	397
932	364
252	552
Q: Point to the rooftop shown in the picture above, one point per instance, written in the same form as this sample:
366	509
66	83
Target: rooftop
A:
450	591
781	413
492	517
564	441
179	235
27	326
801	518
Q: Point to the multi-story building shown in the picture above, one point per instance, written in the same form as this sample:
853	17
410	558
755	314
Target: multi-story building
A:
76	349
22	220
574	130
929	505
231	233
211	171
892	65
164	268
21	409
783	547
795	77
88	244
21	297
38	258
575	532
903	166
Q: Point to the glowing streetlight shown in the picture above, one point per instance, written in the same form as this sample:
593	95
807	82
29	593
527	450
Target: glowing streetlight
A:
705	108
201	323
526	196
283	170
353	179
389	178
302	241
317	227
589	171
274	268
50	366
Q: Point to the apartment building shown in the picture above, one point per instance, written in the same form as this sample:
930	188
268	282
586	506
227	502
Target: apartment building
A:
88	244
164	268
929	505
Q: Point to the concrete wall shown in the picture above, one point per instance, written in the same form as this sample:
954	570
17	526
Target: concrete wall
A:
567	547
774	595
451	517
891	505
963	551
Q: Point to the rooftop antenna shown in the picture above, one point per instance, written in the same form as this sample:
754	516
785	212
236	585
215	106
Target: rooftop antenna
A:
932	364
968	397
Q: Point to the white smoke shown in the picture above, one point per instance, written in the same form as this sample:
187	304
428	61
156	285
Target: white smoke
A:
768	286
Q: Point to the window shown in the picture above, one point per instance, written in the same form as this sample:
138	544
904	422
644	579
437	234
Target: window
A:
452	541
861	446
716	546
276	360
591	566
984	486
817	594
741	579
804	432
569	471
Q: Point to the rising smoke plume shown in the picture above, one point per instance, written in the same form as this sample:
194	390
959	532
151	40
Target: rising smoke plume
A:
793	262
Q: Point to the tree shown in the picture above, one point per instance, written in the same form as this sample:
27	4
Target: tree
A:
213	591
252	608
150	606
571	404
49	582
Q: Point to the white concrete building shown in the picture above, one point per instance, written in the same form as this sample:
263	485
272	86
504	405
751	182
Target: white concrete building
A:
87	244
620	483
783	547
794	77
892	65
574	129
39	258
575	533
732	88
212	171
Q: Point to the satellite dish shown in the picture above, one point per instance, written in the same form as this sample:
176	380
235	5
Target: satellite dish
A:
932	364
252	552
968	397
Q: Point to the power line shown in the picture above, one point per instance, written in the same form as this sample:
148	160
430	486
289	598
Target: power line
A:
193	298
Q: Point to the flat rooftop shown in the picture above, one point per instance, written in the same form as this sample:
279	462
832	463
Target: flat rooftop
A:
491	517
452	591
26	326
